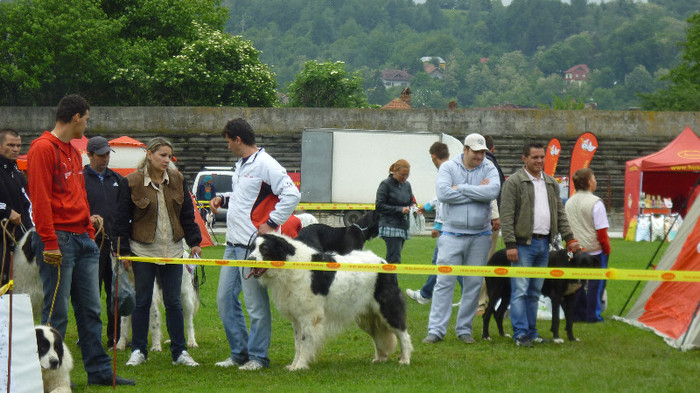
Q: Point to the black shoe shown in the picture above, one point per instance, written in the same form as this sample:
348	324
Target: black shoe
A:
540	340
107	381
523	341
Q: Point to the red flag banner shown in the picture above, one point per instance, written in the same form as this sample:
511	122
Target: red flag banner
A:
551	156
585	148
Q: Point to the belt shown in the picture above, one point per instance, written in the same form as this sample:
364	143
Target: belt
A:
236	245
539	236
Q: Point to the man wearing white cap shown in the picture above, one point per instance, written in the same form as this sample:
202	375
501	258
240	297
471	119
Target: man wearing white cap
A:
466	186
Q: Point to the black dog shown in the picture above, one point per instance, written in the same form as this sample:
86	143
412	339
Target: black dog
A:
326	238
560	291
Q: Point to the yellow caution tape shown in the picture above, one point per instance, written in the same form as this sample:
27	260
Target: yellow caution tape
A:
485	271
335	206
7	287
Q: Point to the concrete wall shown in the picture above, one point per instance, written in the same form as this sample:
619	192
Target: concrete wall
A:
196	132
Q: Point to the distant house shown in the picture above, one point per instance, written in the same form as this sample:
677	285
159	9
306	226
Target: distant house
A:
576	74
400	103
392	78
430	67
435	72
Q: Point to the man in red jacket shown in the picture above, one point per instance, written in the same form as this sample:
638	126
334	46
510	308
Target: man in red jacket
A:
62	220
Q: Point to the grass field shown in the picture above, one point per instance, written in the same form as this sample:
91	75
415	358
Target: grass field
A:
611	356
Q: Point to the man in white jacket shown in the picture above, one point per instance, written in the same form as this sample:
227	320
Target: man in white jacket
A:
263	198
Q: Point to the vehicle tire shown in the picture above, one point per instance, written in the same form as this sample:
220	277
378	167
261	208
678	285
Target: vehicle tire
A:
351	216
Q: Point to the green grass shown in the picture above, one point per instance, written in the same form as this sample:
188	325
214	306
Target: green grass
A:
611	356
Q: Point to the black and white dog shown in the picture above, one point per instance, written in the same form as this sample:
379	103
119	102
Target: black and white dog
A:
55	360
560	291
321	303
342	240
26	274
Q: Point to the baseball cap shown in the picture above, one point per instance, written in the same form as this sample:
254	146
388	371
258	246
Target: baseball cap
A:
98	145
475	142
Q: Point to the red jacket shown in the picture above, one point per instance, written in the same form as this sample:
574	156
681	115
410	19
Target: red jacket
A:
57	189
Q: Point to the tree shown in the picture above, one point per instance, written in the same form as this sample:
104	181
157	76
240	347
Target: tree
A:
683	94
327	85
127	52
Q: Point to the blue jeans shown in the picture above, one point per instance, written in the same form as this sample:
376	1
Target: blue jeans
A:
171	283
394	245
80	283
427	290
525	292
244	347
468	250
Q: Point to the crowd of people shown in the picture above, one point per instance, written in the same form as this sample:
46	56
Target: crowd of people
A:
84	215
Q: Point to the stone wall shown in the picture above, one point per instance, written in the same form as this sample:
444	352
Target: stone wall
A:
196	132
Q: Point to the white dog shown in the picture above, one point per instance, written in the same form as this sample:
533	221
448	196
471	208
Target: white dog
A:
320	304
55	359
190	306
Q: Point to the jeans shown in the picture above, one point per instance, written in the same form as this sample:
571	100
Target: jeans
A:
171	283
427	290
469	250
525	292
106	279
79	282
244	347
393	248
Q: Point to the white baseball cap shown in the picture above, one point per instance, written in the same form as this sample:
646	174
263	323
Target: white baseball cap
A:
475	142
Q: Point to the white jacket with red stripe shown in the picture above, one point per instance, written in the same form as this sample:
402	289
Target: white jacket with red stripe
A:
262	192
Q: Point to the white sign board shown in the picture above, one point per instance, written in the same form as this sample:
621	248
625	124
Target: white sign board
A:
26	371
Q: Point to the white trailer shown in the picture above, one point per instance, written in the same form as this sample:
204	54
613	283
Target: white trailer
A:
341	169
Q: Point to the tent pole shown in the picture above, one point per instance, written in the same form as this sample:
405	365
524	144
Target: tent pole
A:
687	329
685	203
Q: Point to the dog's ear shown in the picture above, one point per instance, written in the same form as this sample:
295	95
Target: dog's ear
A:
58	344
275	247
27	249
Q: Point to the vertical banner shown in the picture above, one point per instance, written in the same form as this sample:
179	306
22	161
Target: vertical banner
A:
551	156
581	156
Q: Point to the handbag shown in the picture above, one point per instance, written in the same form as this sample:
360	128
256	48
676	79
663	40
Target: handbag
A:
123	294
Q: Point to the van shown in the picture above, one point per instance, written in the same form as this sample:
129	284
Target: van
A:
222	180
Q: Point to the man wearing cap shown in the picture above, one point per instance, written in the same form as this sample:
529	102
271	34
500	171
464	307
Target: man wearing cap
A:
532	214
102	187
466	186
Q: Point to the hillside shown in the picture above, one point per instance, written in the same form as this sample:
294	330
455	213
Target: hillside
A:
494	54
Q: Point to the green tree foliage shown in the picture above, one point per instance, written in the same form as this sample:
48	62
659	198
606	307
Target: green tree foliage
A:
127	52
683	93
327	85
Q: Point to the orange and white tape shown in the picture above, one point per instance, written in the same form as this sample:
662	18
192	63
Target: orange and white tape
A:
335	206
485	271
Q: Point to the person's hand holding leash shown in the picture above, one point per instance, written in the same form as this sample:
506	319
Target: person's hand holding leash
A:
215	204
53	257
196	252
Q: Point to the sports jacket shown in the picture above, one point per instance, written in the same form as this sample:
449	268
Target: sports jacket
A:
262	193
13	195
57	189
468	208
102	195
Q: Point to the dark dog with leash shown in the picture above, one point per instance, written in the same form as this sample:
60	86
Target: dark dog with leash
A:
560	291
342	240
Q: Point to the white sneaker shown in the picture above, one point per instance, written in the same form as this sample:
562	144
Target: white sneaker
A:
136	358
186	359
251	365
227	363
415	295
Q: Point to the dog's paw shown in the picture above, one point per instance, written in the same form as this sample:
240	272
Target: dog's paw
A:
507	335
558	341
156	348
575	339
403	361
192	344
297	367
379	359
486	338
121	345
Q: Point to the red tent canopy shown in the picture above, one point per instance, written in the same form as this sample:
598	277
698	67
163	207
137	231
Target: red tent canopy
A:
671	173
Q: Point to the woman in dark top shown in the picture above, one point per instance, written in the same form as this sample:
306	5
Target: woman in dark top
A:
394	201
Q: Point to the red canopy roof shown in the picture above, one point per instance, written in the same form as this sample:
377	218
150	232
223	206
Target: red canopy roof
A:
681	155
